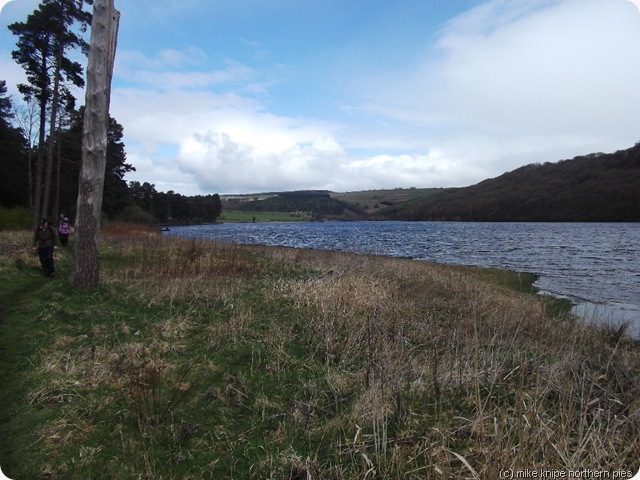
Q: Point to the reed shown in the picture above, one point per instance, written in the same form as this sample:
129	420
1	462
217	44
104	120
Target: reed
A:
196	359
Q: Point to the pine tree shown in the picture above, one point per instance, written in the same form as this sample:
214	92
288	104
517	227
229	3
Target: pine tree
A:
44	40
5	104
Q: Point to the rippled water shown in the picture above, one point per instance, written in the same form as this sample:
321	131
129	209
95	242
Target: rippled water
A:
597	266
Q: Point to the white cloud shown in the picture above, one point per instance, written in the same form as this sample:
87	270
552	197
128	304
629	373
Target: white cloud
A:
222	163
506	83
229	143
173	70
528	80
562	69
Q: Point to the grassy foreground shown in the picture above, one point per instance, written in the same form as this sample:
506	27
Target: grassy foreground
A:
197	360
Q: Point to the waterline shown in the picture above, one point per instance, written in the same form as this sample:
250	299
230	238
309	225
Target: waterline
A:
596	266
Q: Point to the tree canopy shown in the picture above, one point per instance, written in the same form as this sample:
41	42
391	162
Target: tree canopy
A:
174	208
44	41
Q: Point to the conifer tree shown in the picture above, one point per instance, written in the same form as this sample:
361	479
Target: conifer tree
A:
44	41
5	104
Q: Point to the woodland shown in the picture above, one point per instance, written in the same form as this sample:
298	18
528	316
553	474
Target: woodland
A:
318	204
41	132
593	188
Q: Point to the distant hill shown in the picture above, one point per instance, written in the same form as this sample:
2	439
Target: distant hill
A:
318	204
371	201
323	204
593	188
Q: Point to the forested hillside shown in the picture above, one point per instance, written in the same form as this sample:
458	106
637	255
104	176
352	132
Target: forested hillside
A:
592	188
319	204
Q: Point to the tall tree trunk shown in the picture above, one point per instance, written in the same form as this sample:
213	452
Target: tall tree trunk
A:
30	175
52	134
37	186
104	32
56	204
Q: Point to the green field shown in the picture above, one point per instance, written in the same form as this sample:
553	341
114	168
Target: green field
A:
373	200
242	216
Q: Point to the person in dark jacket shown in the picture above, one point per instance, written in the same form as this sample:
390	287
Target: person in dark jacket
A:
45	241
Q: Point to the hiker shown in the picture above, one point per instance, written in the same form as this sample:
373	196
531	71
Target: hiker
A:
64	229
45	240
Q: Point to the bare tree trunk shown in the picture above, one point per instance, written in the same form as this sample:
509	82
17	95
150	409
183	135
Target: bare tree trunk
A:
56	203
37	186
26	118
104	32
56	206
52	137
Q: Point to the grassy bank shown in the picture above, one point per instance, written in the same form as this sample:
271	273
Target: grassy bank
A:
196	360
242	216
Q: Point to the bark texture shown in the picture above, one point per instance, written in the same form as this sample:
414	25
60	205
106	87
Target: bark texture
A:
104	32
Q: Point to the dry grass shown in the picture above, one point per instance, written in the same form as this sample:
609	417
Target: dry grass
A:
491	371
253	362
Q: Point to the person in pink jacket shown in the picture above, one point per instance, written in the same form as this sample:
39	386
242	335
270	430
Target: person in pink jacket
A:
64	230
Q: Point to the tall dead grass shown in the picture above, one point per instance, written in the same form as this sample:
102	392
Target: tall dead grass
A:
489	378
444	373
407	369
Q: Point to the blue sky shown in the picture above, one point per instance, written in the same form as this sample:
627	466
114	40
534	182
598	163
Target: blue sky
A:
243	96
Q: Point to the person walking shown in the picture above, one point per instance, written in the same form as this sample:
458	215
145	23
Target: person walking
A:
45	241
64	229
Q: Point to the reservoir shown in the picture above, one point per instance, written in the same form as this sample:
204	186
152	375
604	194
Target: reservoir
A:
595	265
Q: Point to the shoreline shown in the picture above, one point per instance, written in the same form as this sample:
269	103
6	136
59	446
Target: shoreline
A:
607	313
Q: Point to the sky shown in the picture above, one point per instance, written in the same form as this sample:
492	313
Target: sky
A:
248	96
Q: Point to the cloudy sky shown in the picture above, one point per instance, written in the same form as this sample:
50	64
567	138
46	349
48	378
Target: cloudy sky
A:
244	96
